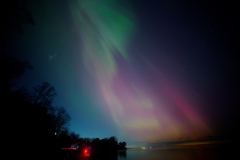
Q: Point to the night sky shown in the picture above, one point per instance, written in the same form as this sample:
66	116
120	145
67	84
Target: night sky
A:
140	70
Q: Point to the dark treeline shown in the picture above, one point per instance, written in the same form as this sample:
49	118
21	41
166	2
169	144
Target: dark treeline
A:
32	123
107	148
109	144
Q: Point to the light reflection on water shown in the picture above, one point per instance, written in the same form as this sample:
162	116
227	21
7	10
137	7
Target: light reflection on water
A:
177	153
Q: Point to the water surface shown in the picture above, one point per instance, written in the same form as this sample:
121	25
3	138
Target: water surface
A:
202	152
179	153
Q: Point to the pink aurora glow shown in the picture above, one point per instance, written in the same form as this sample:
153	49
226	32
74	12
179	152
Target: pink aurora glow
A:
139	109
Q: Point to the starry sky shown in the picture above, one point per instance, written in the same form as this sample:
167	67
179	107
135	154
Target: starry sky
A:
141	70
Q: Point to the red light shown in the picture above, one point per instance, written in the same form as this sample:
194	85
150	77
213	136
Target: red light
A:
85	151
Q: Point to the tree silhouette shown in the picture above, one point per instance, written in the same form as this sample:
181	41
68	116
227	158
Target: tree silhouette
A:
64	140
14	15
33	121
112	142
107	144
42	95
74	139
122	146
41	98
59	119
11	69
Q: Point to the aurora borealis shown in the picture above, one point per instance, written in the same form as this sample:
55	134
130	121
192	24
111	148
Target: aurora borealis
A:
143	71
132	104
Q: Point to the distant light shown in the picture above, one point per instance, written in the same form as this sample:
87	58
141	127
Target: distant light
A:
55	133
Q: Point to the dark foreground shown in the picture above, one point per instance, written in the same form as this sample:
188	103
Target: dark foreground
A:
189	152
76	155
